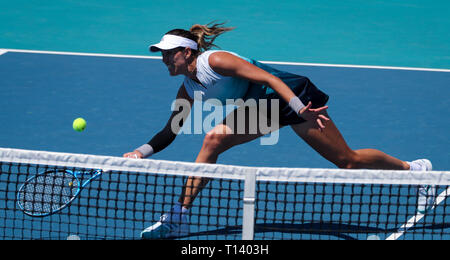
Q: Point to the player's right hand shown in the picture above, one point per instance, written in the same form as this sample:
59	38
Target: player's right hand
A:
135	155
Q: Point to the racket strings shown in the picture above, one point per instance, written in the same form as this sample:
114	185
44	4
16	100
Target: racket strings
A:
48	192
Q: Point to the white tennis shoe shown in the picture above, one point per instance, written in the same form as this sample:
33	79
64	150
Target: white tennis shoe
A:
169	226
427	193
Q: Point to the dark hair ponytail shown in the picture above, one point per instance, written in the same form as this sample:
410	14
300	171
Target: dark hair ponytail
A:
204	35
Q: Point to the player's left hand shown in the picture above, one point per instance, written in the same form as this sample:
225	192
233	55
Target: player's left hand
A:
314	114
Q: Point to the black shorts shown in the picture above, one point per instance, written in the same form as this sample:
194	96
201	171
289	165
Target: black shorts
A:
307	92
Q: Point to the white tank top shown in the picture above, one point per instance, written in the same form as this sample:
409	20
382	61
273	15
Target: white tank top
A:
213	84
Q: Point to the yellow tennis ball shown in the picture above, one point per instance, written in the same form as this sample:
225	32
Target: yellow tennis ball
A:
79	124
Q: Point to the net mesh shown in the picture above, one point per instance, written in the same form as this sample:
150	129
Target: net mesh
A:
348	211
288	203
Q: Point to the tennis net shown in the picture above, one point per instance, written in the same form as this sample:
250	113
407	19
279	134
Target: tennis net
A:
238	203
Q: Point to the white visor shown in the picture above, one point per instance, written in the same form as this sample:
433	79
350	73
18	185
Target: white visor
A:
169	42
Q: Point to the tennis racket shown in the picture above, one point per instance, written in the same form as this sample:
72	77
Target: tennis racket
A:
49	192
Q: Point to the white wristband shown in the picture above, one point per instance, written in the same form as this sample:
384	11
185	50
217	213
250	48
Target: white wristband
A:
296	104
146	150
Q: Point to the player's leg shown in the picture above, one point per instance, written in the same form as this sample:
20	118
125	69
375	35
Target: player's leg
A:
237	128
331	145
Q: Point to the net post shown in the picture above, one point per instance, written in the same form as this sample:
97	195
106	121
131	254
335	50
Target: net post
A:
249	206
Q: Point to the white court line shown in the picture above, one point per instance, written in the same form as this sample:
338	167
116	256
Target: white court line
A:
355	66
412	221
2	51
267	62
83	54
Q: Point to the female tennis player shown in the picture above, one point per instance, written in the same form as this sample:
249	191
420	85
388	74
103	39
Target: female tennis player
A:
226	75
